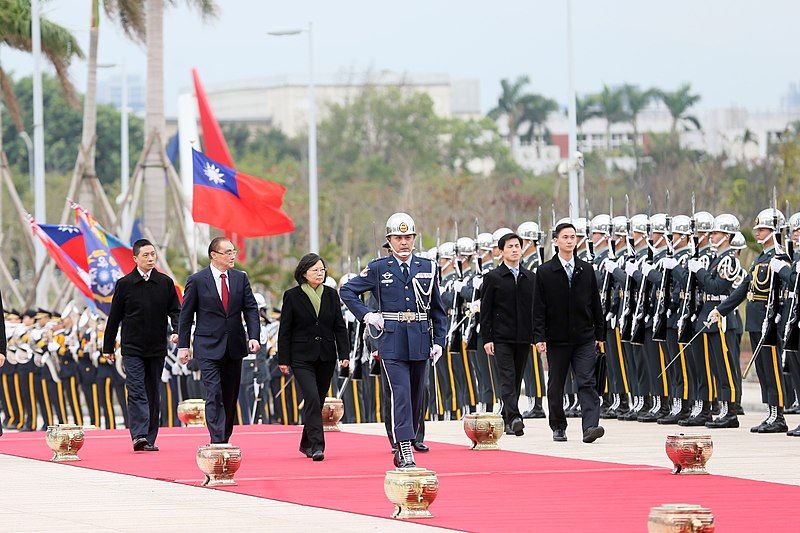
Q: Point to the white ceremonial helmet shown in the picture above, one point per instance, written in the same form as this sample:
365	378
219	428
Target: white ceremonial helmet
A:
499	233
400	224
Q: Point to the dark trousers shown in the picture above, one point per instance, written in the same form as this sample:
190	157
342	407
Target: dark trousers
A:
9	396
486	390
770	373
724	350
221	379
681	373
386	411
653	356
314	378
511	360
144	395
617	371
582	359
406	396
533	376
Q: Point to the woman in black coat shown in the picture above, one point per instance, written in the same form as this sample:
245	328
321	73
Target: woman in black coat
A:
312	334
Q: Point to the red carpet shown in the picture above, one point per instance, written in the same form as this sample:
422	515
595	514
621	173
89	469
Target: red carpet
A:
478	491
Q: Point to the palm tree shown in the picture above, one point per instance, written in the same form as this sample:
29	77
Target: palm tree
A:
635	101
130	16
155	201
678	103
609	106
508	105
534	110
586	108
59	46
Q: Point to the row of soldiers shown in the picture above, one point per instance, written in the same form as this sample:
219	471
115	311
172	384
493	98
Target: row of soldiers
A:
671	288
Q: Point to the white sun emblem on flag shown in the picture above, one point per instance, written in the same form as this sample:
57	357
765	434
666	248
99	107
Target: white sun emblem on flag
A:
67	228
214	174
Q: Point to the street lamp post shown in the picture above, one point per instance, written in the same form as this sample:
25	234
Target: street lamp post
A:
313	204
124	153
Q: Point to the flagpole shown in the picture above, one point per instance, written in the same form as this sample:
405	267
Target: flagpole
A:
313	207
574	200
38	141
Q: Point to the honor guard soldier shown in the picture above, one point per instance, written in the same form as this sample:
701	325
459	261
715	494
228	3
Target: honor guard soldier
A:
788	276
768	359
463	355
411	322
723	276
68	372
533	375
444	373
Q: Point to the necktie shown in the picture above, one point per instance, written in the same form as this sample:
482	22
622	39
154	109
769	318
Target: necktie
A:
568	268
404	268
146	277
223	279
515	271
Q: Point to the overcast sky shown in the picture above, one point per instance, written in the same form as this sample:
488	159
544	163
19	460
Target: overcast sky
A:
734	52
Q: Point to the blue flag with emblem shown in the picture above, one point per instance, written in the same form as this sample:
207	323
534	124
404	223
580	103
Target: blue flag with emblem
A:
104	270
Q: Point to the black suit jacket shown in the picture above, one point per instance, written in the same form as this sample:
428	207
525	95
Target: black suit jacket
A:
507	306
564	314
215	330
305	337
142	307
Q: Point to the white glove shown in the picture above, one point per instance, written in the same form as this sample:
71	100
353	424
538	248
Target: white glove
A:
375	320
458	285
668	263
436	352
694	265
165	375
53	346
646	268
477	282
475	307
630	268
776	265
348	317
797	267
609	265
714	316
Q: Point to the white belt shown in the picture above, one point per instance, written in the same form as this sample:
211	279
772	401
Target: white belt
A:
405	316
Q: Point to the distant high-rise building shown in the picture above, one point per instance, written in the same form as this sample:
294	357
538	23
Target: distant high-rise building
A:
791	100
109	91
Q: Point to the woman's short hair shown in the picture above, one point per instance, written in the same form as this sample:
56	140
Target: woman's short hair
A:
305	264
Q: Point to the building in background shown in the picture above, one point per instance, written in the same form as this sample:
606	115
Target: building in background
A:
109	91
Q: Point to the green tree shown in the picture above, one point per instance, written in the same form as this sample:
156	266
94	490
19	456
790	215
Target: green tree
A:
635	100
610	107
535	109
509	106
678	104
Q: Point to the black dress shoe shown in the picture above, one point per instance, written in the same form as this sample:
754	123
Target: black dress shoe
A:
727	421
776	426
758	428
508	431
592	434
794	432
139	444
317	456
306	451
534	412
150	448
517	426
559	435
420	447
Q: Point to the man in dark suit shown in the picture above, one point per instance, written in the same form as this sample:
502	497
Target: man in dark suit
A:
216	298
568	325
507	325
142	301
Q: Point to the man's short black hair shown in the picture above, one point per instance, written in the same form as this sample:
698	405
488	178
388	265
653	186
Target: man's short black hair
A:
212	246
305	264
561	227
501	243
141	243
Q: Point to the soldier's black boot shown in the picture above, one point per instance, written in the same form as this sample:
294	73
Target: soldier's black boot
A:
757	429
634	410
612	410
538	410
726	419
701	415
794	433
674	414
404	456
653	414
776	423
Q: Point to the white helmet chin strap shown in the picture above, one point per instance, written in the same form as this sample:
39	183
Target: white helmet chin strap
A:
765	239
402	255
717	243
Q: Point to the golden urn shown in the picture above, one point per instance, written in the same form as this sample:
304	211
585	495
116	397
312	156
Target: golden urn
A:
65	440
192	412
689	453
484	430
219	462
680	518
412	491
332	413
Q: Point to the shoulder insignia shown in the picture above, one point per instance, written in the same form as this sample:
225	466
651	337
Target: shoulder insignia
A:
364	273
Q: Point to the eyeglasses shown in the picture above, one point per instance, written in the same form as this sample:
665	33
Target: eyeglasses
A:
229	253
317	270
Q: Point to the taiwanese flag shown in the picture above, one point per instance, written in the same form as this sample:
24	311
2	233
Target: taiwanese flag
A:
77	274
236	202
70	239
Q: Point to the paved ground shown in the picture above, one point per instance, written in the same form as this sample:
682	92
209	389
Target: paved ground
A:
43	497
